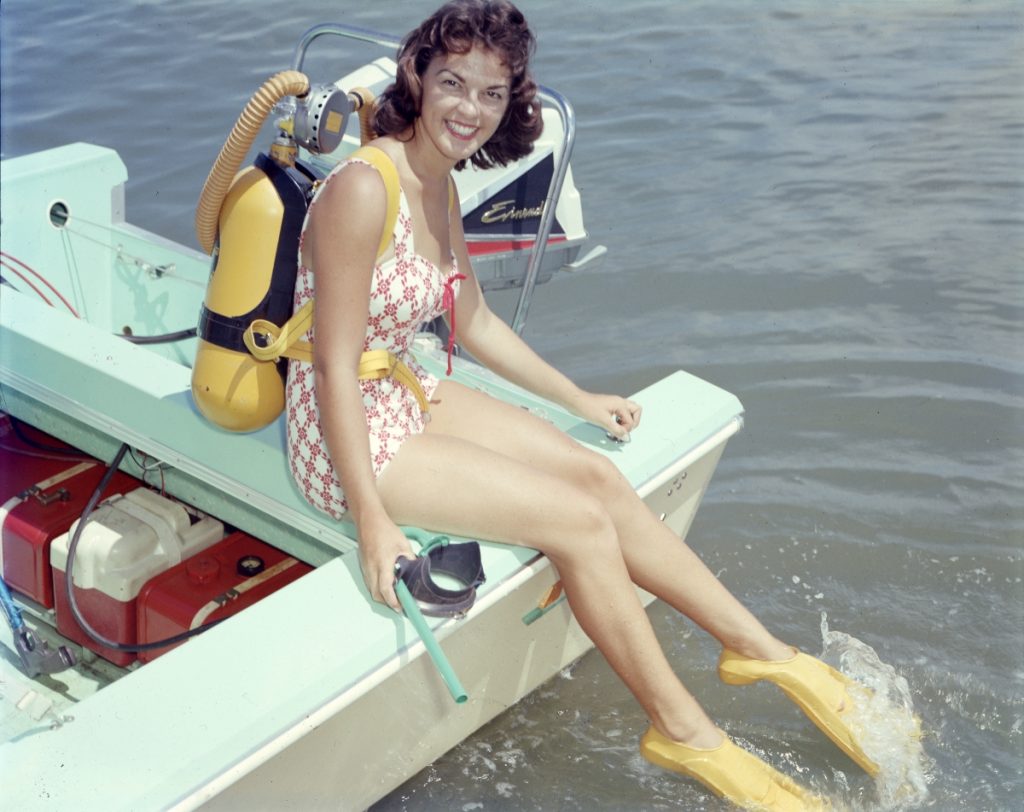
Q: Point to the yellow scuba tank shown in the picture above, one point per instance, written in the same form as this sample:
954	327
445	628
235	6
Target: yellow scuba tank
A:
253	277
251	223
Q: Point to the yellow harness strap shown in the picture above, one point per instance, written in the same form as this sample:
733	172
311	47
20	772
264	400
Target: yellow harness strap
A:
268	342
380	161
376	364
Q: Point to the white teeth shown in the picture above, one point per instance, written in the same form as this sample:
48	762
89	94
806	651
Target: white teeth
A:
461	130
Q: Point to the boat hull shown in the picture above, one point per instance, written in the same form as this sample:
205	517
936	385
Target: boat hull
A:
285	712
371	740
316	692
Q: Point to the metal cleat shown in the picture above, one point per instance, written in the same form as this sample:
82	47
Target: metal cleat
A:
36	655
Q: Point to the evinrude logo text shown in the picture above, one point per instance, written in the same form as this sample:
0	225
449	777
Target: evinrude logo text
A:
505	210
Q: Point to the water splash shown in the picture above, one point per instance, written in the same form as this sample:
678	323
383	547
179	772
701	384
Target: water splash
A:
890	731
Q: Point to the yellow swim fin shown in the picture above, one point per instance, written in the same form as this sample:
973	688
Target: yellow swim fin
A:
732	773
825	695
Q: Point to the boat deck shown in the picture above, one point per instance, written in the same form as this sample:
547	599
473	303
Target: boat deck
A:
170	731
317	668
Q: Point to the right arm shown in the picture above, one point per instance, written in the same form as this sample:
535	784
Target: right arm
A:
342	239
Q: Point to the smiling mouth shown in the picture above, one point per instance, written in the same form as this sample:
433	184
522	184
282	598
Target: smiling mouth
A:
461	131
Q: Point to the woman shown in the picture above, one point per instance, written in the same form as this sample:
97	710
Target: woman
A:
479	467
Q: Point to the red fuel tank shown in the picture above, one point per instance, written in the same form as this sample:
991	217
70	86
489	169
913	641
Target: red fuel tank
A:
216	583
44	485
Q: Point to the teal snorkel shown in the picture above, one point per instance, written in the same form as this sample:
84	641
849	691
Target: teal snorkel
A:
444	668
415	587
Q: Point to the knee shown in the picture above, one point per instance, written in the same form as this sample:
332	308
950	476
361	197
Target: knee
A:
589	531
600	477
600	527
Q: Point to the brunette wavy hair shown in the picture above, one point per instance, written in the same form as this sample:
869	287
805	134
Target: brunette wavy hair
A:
455	28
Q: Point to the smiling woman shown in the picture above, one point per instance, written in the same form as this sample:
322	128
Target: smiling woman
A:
499	35
376	449
464	100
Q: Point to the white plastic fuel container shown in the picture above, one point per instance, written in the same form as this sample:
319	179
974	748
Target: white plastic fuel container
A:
127	540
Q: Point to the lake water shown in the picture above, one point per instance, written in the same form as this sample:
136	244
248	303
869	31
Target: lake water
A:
817	206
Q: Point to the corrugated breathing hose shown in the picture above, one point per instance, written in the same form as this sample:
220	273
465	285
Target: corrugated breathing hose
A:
218	182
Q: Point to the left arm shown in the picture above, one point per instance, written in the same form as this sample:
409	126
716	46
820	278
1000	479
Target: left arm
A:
500	349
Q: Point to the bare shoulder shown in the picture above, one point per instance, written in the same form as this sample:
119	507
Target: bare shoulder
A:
353	202
356	185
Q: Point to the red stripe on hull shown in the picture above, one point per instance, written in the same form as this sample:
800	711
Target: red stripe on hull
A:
501	246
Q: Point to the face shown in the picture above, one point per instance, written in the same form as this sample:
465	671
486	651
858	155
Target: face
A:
464	99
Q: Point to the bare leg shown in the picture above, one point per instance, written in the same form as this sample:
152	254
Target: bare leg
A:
656	558
487	469
441	482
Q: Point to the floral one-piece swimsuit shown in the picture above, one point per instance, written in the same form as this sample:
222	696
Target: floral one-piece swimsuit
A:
406	290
